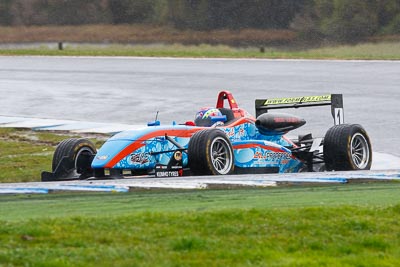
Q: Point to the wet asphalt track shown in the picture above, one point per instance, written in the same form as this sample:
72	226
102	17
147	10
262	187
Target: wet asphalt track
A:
132	90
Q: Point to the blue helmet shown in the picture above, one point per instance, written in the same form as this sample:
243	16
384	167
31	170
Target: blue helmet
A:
208	116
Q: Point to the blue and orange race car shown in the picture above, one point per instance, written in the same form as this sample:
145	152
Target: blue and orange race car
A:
224	139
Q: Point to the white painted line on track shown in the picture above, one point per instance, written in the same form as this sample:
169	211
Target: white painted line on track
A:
221	59
200	182
64	125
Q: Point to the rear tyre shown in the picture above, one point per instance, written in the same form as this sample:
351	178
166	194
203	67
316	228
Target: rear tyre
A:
210	153
73	157
347	147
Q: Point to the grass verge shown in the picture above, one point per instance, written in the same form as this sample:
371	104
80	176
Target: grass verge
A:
24	154
367	51
352	225
142	34
165	43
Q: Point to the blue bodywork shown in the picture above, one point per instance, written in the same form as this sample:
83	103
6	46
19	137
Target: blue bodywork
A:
144	148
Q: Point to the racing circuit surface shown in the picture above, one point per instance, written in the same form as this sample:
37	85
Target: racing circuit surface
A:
131	91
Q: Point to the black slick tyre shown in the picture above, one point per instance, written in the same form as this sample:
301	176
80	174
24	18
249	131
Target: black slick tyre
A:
73	157
347	147
210	153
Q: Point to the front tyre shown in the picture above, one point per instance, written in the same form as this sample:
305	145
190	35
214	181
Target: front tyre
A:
73	157
210	153
347	147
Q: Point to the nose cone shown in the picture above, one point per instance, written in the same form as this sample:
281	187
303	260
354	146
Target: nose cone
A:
109	151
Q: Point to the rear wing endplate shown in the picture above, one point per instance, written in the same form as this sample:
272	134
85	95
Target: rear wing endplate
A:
333	100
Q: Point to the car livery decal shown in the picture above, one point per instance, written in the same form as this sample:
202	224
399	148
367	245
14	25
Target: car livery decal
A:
265	154
135	145
142	158
242	129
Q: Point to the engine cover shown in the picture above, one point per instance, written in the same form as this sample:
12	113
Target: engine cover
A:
278	123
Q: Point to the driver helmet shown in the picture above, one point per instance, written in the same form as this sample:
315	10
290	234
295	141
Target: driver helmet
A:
208	116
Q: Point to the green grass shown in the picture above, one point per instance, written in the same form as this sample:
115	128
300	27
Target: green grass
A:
25	154
66	205
370	51
348	225
384	50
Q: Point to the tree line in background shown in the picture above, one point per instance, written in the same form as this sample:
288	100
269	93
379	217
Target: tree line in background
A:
337	20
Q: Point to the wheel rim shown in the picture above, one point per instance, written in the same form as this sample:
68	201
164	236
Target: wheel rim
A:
81	162
359	151
221	155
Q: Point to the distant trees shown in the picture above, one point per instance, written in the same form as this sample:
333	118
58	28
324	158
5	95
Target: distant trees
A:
57	12
185	14
127	11
338	20
347	21
389	16
233	14
5	14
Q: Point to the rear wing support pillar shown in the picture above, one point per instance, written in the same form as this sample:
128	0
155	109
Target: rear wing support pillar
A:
333	100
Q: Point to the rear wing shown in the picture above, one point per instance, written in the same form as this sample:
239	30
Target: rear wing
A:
333	100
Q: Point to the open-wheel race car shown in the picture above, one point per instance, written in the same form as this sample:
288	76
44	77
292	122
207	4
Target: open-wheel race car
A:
224	139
